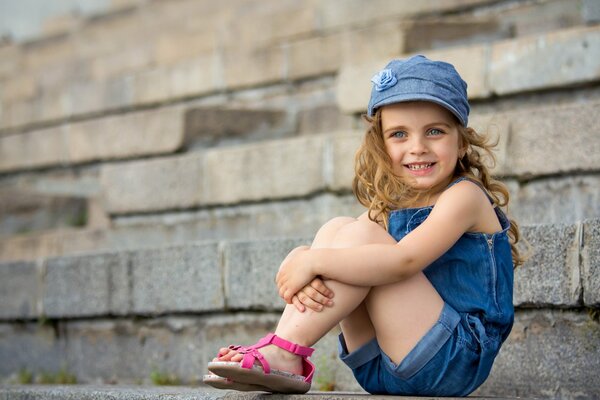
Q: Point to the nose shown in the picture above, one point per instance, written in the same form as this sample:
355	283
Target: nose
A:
418	145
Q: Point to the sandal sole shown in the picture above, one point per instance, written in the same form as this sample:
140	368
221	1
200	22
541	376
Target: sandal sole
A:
220	382
275	382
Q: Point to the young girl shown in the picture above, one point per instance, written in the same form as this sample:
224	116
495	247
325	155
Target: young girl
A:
421	283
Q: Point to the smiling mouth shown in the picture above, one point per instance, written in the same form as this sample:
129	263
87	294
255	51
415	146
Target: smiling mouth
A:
418	167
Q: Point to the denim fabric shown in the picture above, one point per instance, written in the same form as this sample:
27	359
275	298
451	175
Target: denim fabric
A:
475	280
420	79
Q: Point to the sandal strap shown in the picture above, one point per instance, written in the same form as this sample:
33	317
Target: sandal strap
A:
251	354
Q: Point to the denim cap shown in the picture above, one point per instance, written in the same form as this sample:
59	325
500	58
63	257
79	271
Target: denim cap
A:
419	79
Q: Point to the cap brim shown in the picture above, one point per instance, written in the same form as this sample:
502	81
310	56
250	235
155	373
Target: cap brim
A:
418	97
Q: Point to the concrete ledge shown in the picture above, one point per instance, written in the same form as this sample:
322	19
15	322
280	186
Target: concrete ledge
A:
136	134
215	276
161	393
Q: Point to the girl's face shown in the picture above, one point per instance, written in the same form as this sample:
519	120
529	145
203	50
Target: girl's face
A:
422	140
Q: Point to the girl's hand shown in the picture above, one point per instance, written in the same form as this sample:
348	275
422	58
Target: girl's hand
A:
315	296
294	273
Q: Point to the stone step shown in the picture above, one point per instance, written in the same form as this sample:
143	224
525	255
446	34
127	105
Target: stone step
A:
22	212
108	392
502	68
97	71
216	276
138	134
556	351
549	200
270	169
168	310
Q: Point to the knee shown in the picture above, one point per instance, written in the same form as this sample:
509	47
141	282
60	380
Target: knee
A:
361	231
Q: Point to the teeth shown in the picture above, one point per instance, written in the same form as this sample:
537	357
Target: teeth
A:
415	167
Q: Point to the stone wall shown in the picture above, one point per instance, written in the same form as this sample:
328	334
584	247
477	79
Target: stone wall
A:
151	154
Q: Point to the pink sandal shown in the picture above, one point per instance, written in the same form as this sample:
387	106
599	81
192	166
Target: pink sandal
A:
245	374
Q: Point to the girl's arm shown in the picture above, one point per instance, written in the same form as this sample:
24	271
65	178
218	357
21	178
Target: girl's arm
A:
457	211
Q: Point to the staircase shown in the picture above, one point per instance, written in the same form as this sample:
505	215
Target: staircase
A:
159	160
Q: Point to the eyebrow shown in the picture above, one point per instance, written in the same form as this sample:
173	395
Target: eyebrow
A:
396	127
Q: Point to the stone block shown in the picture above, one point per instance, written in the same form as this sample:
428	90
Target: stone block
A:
557	200
204	126
337	13
269	23
556	353
323	118
250	269
40	148
118	136
159	184
124	61
84	97
344	148
20	86
550	276
126	135
259	66
10	59
20	290
353	85
302	62
86	285
129	351
29	345
540	135
265	170
175	47
522	64
449	31
590	269
177	279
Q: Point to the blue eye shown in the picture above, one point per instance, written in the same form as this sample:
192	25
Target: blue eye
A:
435	132
399	134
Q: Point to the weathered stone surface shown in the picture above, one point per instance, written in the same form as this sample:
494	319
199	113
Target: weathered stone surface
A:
557	200
86	285
121	136
23	211
590	269
540	134
557	357
344	148
29	345
260	66
204	126
265	170
158	184
447	31
551	274
521	64
177	279
343	12
20	290
250	269
35	149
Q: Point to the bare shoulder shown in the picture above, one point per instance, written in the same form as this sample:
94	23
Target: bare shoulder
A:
468	200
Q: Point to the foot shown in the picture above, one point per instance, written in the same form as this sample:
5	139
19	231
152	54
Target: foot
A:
277	358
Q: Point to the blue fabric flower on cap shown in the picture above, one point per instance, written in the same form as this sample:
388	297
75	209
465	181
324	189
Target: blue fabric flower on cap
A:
384	79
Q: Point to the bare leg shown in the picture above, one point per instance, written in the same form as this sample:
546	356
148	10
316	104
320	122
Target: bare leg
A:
355	316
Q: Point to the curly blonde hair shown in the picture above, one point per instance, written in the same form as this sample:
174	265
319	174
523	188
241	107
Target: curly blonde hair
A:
380	190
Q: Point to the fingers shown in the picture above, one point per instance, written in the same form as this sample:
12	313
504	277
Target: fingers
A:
309	302
298	304
319	286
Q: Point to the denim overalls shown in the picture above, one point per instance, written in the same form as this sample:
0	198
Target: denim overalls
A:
475	280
